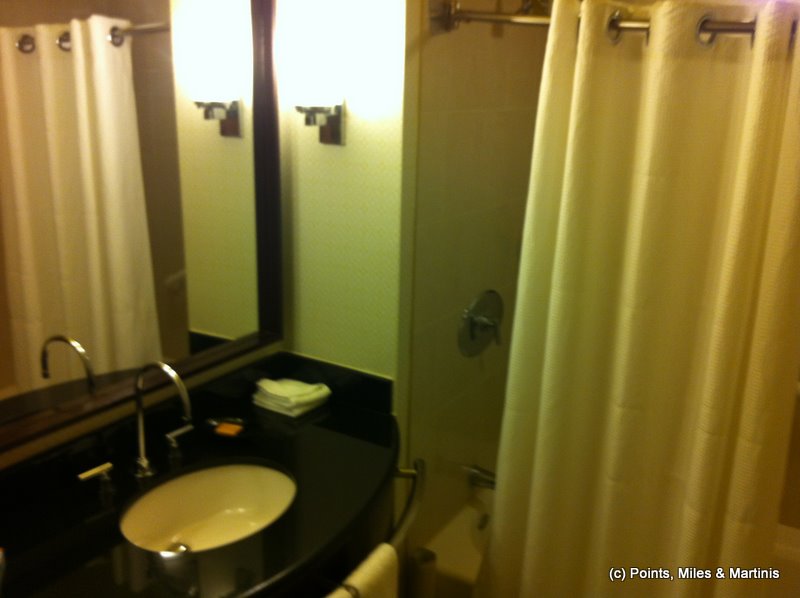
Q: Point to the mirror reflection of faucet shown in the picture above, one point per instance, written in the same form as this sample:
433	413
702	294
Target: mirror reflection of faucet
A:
78	348
143	467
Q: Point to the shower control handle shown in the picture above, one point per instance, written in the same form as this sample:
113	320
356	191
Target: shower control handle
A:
480	323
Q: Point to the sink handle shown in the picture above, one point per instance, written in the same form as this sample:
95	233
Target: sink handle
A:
172	437
175	456
106	487
100	471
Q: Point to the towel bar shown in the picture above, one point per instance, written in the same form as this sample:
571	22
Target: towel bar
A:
417	476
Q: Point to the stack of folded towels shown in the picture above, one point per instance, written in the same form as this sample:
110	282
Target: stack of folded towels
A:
289	397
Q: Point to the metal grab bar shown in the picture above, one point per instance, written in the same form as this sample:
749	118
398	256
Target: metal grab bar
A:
417	476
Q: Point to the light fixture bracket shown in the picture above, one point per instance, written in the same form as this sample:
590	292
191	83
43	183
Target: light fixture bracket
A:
329	119
227	113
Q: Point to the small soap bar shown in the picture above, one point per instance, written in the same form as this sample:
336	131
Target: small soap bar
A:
228	429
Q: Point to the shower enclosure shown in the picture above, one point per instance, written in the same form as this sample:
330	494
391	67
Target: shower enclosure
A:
477	89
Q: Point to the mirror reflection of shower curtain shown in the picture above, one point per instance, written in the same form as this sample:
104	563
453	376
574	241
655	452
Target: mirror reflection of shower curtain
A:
74	224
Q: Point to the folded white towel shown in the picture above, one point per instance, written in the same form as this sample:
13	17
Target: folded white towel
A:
292	392
291	410
376	577
290	397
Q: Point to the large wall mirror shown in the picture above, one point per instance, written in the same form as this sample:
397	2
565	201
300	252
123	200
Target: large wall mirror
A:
210	261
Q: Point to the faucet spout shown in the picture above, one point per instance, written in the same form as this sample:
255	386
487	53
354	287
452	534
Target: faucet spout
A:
78	348
176	380
143	468
479	477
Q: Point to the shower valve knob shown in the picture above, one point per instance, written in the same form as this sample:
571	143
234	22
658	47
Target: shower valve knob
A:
480	323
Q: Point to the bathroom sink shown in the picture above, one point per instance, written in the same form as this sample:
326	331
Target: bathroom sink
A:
208	508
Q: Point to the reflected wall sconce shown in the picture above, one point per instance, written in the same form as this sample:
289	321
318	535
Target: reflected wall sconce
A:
329	119
227	113
212	50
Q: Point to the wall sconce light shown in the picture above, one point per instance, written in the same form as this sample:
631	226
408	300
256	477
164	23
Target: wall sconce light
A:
227	113
329	119
213	58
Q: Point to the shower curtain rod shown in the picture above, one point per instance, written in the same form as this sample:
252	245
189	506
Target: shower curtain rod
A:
450	15
26	43
145	28
117	35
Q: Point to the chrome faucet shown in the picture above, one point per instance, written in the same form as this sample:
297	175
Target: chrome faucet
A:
143	467
87	364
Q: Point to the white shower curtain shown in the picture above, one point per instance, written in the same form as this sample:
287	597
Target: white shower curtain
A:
656	339
77	252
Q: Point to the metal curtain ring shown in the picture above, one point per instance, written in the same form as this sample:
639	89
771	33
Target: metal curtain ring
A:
64	42
703	37
26	44
613	30
115	36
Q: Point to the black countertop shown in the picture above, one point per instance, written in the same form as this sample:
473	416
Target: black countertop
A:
61	541
36	413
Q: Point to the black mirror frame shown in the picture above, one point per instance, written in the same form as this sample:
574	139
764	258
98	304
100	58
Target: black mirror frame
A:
266	150
266	155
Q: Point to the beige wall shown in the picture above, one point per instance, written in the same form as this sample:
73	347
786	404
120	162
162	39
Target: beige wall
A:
343	203
477	98
7	378
15	13
218	191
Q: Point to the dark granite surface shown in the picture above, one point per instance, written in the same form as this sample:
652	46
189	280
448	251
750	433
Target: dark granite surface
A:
61	541
29	415
38	413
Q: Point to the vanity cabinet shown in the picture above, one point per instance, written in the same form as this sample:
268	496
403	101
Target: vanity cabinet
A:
62	536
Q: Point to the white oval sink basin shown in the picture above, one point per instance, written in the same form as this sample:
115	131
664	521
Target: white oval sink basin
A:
208	508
